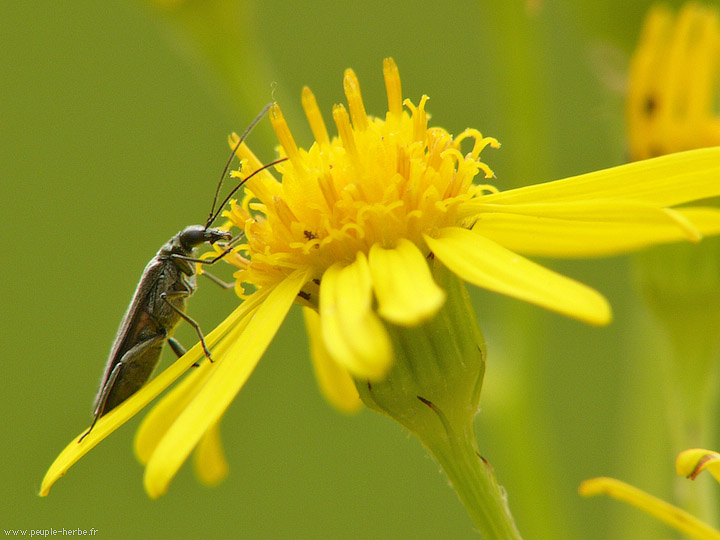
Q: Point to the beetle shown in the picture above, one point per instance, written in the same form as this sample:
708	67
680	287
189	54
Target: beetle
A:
159	302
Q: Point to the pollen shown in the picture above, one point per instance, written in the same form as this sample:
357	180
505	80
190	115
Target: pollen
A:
379	180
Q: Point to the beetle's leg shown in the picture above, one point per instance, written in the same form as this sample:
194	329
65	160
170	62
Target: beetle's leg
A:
175	294
217	281
176	347
201	261
107	388
104	394
179	350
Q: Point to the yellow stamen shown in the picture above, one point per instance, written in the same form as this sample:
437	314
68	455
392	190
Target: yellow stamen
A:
480	141
342	121
286	139
351	86
263	185
393	88
327	188
314	116
244	152
284	213
419	117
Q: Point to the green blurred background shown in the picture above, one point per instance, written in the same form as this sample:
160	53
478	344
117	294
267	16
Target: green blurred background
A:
114	129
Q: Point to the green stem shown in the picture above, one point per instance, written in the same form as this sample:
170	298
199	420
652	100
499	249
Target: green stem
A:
682	287
433	389
472	478
692	395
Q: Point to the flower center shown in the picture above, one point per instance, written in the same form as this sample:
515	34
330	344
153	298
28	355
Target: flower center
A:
376	182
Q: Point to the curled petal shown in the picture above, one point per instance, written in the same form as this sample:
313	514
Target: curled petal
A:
692	462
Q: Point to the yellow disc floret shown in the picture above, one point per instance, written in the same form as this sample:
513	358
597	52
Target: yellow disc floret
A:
378	181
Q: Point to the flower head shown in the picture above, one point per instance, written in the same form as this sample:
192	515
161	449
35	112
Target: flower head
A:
673	86
349	231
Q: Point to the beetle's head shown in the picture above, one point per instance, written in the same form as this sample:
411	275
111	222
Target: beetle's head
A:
194	235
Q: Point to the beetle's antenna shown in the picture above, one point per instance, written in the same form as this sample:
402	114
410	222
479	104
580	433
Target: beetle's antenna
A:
242	182
212	215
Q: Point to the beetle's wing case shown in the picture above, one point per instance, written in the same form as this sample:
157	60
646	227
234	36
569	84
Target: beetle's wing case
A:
135	310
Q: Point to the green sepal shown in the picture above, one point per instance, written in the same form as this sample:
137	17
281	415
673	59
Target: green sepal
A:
433	389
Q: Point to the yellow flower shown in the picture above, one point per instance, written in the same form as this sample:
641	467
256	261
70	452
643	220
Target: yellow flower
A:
348	233
672	106
689	463
673	85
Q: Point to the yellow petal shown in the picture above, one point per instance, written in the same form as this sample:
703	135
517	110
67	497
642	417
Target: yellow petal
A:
209	461
662	181
163	414
352	333
628	213
704	219
405	290
486	264
166	411
334	380
659	509
552	237
228	377
692	462
129	408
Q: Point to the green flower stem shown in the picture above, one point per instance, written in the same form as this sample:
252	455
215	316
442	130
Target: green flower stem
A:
473	479
682	286
433	389
692	398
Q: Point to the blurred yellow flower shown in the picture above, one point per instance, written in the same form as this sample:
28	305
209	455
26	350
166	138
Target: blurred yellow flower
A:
672	106
348	233
673	86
